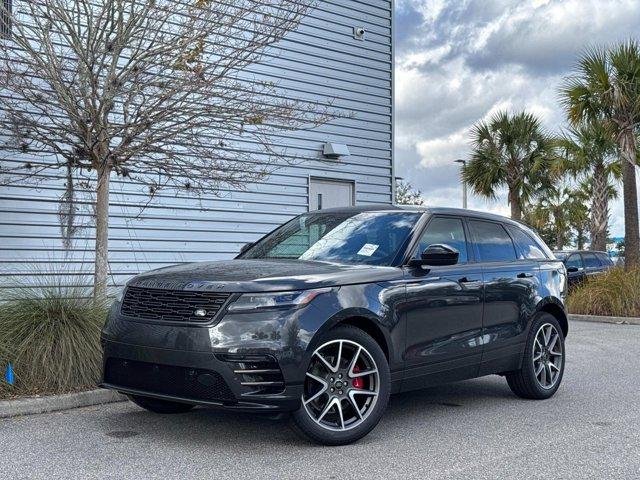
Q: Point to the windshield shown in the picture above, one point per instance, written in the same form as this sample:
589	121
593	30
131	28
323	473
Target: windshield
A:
560	255
372	238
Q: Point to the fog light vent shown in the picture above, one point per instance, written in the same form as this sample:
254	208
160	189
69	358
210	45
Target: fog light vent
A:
261	374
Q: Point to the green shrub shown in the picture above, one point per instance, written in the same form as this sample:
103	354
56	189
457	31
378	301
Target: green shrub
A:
51	335
614	293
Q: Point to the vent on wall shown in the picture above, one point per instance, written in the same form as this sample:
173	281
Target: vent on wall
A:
335	150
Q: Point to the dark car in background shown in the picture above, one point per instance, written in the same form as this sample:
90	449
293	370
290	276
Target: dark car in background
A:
582	264
332	312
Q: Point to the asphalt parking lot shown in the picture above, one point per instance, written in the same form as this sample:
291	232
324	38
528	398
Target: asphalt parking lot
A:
474	429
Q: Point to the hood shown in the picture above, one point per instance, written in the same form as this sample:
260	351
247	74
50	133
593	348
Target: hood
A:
262	276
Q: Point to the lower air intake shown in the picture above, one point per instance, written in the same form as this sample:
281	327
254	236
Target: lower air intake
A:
191	383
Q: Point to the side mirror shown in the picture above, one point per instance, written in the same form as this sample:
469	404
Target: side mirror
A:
572	269
245	247
437	255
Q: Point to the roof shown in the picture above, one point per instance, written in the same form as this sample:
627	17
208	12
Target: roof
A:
580	251
423	209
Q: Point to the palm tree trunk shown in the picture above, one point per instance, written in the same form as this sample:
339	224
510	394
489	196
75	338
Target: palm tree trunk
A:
514	201
559	227
630	198
599	209
102	235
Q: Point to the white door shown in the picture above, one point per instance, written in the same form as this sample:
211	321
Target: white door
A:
330	194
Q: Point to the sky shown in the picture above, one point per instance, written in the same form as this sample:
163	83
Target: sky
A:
459	61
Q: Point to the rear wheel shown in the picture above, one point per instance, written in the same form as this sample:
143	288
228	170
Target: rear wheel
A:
346	388
543	362
156	405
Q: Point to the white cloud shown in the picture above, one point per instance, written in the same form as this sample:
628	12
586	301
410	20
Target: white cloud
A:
464	60
443	150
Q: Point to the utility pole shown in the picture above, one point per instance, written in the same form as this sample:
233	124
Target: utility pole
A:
464	184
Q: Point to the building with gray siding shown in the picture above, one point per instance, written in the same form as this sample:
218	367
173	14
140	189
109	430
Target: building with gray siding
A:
326	60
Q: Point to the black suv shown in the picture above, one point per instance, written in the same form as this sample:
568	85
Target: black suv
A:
582	264
332	312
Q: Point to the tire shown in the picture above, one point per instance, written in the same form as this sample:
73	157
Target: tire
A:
156	405
358	390
525	383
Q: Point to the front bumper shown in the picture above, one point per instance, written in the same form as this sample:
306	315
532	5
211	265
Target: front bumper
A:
213	364
198	378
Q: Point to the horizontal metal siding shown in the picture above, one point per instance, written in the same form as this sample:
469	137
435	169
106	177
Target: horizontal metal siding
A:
321	62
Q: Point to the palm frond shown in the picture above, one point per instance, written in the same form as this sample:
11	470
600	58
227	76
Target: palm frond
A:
510	150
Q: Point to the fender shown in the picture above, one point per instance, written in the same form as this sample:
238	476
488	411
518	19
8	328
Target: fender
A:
554	306
354	313
372	324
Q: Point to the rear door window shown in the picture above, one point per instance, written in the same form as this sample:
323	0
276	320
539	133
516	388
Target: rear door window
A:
591	261
493	242
448	231
527	247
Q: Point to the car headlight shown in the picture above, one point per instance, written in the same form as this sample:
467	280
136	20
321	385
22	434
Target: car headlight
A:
119	294
253	302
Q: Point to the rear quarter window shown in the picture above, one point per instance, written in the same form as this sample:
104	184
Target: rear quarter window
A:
604	259
526	246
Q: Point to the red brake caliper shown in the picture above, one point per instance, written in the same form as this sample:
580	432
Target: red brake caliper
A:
357	382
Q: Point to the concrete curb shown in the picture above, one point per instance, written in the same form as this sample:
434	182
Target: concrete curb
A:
33	405
600	319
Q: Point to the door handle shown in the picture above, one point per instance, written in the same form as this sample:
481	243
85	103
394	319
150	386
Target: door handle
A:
466	280
525	275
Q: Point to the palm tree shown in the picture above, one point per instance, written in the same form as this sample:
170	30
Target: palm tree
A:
559	202
560	216
579	218
539	217
605	87
589	155
511	151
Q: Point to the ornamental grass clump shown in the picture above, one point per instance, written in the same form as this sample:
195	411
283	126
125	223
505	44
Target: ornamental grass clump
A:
614	293
51	336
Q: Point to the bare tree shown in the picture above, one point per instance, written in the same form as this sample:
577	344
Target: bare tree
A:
156	91
407	195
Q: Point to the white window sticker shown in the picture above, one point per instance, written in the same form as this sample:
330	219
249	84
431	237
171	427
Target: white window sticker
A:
368	249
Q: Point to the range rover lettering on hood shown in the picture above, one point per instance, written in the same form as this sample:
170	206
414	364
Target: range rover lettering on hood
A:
205	286
152	283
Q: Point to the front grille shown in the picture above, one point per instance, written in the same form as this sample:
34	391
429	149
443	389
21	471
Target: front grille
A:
172	305
191	383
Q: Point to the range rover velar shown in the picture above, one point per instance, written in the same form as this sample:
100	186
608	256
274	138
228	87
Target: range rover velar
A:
332	312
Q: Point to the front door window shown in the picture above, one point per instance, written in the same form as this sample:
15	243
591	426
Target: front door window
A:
448	231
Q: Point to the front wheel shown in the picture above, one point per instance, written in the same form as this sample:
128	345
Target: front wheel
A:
346	389
543	362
